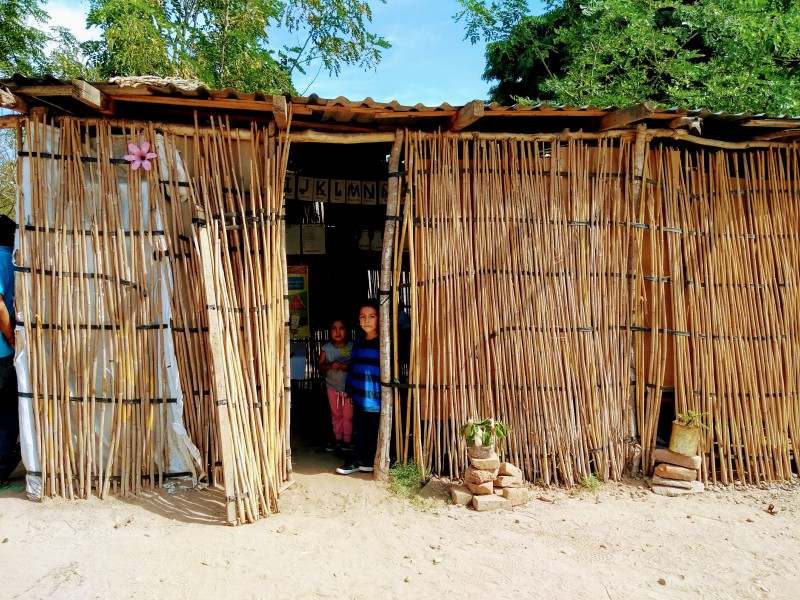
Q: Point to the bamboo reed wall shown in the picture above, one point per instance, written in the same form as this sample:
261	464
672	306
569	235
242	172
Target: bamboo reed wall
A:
560	285
725	230
518	280
206	224
549	276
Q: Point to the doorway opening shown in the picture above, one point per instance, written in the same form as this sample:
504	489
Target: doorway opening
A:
335	198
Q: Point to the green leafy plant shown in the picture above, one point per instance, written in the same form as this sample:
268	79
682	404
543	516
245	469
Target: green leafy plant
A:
691	419
484	433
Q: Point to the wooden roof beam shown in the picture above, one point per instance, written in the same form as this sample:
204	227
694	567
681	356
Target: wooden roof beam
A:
10	121
12	101
282	110
468	114
78	89
626	116
693	124
780	123
91	96
778	135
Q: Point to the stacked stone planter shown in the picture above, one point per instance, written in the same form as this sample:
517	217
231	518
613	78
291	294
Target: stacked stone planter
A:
676	474
490	484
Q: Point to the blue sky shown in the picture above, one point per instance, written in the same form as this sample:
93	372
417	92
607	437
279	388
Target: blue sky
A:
429	62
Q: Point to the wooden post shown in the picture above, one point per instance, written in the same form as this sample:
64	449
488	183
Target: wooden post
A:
634	256
387	398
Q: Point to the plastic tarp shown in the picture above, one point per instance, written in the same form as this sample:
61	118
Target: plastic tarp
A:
183	456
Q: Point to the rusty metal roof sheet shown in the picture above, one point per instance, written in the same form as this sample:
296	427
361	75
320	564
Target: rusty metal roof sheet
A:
172	101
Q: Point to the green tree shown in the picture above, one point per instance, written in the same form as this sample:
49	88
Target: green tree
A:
225	43
21	43
8	172
731	55
26	48
30	46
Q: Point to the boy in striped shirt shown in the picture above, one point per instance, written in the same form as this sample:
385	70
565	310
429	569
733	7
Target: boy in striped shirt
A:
364	388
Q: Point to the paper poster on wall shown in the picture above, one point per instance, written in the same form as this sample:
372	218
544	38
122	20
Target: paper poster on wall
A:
321	190
297	360
293	239
353	193
304	189
369	193
313	239
298	302
338	191
289	186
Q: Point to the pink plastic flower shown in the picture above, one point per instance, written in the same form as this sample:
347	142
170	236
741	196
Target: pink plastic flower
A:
140	156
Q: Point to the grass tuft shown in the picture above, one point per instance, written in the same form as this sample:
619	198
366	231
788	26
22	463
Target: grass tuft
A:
591	482
407	480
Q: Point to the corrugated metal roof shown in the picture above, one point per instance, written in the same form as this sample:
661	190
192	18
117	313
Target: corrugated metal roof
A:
173	100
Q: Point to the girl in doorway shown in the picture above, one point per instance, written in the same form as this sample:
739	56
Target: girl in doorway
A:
364	387
334	361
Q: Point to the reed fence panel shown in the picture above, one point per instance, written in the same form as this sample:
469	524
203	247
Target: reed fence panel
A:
126	277
735	232
519	259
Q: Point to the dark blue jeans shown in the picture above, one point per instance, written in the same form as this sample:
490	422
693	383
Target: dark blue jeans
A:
365	435
9	417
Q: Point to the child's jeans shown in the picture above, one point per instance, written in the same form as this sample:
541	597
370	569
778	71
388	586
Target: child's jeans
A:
341	415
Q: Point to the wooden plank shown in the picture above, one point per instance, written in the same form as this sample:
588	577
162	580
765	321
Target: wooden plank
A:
626	116
10	121
90	95
546	113
468	114
781	123
378	113
182	101
341	138
218	362
410	114
11	101
692	123
173	128
38	91
778	135
680	134
282	112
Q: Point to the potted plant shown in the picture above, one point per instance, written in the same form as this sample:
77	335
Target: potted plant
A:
482	436
686	431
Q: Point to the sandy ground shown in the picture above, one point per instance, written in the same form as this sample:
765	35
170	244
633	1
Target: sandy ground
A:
347	537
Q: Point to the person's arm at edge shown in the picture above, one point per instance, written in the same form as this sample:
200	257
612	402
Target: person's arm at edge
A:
5	324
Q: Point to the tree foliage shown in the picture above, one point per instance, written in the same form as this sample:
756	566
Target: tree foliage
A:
30	46
225	43
8	172
733	55
21	42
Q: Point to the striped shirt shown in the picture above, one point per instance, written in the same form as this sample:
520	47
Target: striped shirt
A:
364	375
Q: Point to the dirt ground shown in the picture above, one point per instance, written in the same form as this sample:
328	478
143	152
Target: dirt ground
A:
348	537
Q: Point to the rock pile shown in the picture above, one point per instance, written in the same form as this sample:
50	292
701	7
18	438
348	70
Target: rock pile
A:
489	483
676	474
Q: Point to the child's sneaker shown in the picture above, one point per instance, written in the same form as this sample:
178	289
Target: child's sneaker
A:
347	469
366	468
346	447
332	446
